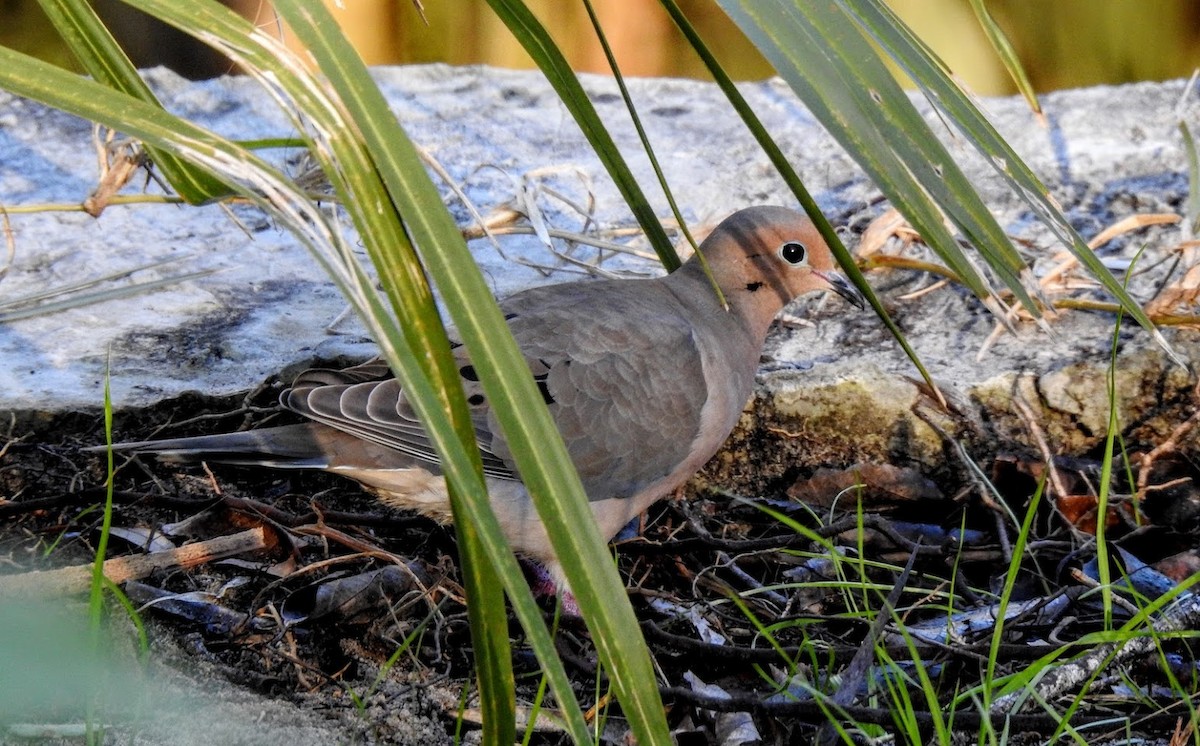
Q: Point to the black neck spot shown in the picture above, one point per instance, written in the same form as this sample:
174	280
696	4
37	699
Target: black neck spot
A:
754	287
468	372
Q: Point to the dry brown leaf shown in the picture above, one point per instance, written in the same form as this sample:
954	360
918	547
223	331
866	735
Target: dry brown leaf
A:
1080	512
891	224
1067	261
1180	567
882	486
1182	295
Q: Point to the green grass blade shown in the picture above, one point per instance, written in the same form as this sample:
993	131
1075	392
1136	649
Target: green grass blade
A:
928	73
641	131
928	690
489	631
1191	212
96	590
826	60
95	48
532	35
902	708
87	99
1010	580
1103	493
542	459
355	177
433	386
791	178
1006	53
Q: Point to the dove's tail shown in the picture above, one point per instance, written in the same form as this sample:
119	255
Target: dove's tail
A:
303	446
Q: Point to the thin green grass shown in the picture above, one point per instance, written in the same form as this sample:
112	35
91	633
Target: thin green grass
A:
649	150
96	624
1191	212
896	689
922	711
534	710
922	685
1106	476
1010	580
459	719
412	639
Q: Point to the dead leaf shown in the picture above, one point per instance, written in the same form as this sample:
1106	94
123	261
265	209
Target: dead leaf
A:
881	486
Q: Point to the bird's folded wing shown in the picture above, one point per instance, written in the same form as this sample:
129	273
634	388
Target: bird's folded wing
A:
368	402
622	377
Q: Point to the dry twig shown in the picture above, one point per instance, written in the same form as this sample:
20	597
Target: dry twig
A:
77	578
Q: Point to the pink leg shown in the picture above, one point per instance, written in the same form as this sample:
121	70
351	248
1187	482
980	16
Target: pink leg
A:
545	585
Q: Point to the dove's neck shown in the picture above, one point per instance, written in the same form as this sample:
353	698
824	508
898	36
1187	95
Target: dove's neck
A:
740	326
730	343
750	304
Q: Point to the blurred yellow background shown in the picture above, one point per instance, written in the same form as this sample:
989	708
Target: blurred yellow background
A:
1061	43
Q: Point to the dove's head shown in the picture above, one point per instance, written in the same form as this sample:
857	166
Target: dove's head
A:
763	257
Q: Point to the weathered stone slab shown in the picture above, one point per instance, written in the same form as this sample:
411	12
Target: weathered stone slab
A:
845	391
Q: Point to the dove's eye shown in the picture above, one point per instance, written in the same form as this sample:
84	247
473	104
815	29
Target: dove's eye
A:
793	252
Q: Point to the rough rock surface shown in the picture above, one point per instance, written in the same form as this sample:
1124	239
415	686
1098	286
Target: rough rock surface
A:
843	391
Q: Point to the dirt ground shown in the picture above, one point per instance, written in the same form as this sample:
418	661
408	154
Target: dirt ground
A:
350	626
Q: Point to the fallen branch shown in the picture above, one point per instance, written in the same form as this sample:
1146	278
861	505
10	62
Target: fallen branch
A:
1182	615
78	578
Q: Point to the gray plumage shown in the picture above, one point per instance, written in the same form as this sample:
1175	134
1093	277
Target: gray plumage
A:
645	380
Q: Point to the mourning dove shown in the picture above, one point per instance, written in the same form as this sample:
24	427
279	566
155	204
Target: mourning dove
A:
645	380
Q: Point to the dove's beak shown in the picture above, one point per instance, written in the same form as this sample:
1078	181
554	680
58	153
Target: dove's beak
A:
840	285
